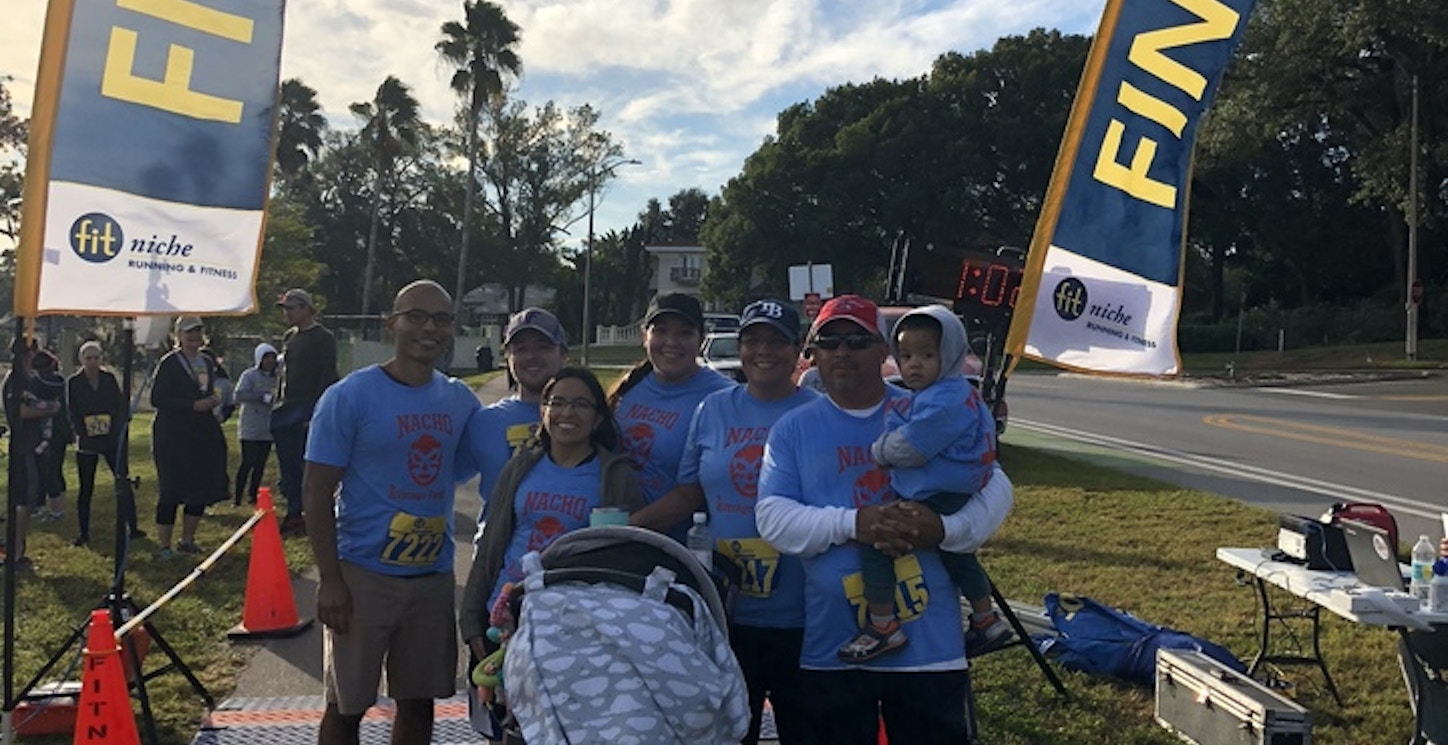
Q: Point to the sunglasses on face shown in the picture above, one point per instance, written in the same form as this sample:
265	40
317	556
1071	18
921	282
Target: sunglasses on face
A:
419	317
855	342
580	405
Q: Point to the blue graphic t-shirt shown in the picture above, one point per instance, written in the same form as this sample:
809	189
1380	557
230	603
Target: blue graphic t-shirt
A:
502	429
819	456
723	454
949	422
551	501
653	422
398	445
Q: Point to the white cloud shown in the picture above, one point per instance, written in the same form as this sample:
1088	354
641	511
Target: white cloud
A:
689	87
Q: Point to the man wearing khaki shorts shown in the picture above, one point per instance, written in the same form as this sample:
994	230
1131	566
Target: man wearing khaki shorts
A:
378	489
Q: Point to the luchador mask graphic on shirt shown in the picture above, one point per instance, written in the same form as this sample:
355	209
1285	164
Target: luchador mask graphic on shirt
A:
638	444
872	487
544	533
424	460
744	470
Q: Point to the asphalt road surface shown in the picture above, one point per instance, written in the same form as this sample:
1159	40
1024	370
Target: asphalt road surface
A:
1295	447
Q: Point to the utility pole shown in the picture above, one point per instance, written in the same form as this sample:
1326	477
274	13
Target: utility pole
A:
1414	288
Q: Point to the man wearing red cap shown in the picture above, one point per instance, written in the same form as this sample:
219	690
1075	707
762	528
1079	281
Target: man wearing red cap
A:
815	507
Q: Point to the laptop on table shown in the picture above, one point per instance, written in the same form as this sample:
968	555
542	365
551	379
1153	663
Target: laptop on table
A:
1374	559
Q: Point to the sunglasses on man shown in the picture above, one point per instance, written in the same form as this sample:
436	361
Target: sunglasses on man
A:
855	342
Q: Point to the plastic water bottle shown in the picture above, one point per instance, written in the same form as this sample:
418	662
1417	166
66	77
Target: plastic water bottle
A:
1438	590
700	540
1423	556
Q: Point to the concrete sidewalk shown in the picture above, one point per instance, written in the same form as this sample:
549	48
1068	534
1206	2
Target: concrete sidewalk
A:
278	696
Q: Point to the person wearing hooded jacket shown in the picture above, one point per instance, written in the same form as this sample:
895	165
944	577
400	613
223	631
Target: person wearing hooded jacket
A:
939	448
255	390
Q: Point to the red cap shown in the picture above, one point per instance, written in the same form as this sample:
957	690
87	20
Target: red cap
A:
860	311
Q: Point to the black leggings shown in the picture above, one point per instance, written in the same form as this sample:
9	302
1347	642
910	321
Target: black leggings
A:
253	463
85	466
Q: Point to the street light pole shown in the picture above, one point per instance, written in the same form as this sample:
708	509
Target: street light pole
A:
593	174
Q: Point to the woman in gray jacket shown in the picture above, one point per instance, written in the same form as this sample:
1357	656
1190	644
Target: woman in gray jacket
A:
255	390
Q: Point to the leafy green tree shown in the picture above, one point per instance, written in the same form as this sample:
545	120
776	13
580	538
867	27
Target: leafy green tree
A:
959	156
539	168
1321	92
482	49
391	130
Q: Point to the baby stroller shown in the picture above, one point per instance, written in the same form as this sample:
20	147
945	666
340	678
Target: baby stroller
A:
622	638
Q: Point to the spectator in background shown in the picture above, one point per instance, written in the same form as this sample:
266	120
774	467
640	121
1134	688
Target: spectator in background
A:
308	366
255	390
381	456
813	507
535	348
655	401
186	438
27	418
99	413
47	387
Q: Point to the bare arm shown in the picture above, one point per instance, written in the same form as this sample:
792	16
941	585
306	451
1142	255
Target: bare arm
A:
673	508
334	599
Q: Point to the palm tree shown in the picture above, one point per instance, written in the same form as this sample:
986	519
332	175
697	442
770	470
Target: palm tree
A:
482	51
391	128
300	125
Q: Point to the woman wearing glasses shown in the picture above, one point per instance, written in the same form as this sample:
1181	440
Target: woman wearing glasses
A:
546	491
720	472
655	402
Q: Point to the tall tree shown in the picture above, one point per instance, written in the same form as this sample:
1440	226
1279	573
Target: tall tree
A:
391	129
540	167
483	52
300	127
12	140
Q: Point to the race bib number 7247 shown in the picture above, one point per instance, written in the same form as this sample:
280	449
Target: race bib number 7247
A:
414	541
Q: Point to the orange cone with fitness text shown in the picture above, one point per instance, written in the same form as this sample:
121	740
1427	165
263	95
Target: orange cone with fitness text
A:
270	610
105	714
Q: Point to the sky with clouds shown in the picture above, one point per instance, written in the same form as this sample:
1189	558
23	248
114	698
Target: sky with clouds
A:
688	87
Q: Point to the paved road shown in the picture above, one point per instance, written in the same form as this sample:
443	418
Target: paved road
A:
1288	448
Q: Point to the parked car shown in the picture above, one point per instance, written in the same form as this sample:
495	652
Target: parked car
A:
721	352
720	323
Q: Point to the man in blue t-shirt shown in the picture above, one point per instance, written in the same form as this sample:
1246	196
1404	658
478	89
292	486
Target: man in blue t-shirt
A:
378	486
819	491
535	348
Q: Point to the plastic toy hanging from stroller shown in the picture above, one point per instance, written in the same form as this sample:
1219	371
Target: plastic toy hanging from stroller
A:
622	638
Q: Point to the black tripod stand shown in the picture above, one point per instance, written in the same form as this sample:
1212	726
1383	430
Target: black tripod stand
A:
116	602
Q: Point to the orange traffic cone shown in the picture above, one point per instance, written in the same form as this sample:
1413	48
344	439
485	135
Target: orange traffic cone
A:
270	610
105	714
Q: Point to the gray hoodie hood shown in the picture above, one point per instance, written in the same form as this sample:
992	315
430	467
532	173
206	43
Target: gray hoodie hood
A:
262	350
953	347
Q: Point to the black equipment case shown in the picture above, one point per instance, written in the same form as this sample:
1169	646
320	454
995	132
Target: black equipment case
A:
1207	703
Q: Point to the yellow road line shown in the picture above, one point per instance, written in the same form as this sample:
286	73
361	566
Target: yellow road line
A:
1334	436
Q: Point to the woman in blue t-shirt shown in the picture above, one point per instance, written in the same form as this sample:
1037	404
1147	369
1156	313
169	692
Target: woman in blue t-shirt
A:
720	472
655	402
546	491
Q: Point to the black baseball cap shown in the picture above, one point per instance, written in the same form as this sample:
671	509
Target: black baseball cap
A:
677	303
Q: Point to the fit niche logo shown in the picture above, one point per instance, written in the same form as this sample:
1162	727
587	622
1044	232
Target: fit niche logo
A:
96	237
1069	299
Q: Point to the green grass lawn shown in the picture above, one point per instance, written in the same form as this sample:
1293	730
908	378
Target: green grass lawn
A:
1137	544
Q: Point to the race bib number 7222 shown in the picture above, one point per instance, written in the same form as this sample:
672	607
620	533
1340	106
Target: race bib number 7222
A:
414	541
